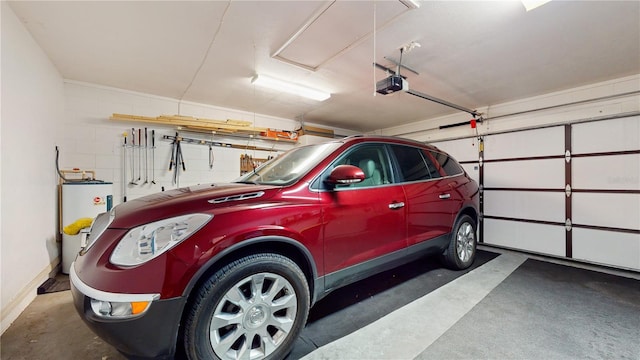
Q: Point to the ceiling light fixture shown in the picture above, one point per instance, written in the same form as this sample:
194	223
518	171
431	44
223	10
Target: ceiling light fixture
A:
290	88
532	4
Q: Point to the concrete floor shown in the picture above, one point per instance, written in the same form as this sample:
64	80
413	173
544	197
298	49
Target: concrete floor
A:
50	328
509	306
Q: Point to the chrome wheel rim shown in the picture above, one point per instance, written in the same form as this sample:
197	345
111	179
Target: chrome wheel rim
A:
465	240
254	317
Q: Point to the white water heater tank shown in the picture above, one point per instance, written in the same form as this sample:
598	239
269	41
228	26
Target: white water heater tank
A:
81	199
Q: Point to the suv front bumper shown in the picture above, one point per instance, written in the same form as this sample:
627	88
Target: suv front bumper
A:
152	334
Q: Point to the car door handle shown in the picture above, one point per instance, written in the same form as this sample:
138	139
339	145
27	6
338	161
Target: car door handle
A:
444	196
396	205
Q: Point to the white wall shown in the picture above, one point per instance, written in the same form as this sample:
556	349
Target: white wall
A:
88	140
32	105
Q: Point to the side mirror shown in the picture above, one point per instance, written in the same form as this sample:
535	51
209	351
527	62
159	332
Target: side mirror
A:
345	174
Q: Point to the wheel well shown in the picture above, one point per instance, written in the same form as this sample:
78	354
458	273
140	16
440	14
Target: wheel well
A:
276	246
469	211
264	246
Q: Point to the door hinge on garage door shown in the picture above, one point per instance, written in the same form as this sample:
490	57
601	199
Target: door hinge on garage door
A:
567	190
567	156
568	225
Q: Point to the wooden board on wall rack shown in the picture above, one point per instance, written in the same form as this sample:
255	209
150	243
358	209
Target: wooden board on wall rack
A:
224	127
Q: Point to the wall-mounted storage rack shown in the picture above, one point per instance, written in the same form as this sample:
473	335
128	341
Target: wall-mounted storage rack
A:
217	143
229	127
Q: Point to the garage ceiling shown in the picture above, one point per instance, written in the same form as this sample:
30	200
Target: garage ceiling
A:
472	53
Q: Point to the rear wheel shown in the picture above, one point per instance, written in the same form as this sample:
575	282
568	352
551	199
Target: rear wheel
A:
462	246
253	308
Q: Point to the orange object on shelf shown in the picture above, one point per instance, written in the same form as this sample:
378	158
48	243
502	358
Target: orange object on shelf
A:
280	134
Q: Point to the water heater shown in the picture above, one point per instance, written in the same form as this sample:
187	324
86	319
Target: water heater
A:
81	199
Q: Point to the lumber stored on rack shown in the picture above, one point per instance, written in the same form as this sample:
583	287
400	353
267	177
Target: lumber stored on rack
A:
188	121
314	130
228	126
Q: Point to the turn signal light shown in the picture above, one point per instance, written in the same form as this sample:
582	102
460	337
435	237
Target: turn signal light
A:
138	307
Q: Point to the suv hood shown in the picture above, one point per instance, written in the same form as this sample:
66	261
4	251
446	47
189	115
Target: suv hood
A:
201	198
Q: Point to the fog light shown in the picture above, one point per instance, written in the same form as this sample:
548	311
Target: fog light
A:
103	307
118	309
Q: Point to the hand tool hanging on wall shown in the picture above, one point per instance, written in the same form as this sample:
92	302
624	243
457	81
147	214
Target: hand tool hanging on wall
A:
124	168
139	154
133	165
177	160
172	161
146	161
184	168
153	157
210	157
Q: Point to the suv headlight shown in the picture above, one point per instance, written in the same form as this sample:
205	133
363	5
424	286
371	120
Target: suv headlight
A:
148	241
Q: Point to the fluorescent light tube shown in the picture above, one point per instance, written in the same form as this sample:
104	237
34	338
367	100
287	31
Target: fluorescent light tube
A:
532	4
411	4
290	88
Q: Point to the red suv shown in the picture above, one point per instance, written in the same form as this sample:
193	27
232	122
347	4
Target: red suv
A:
229	271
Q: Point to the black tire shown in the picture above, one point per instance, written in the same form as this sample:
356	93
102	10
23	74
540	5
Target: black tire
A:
260	303
461	251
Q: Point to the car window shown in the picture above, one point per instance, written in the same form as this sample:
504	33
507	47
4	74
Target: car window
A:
372	159
447	163
435	169
290	166
412	163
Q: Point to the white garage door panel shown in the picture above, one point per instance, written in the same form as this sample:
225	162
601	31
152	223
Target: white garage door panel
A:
606	136
473	170
461	150
607	210
614	172
530	143
531	174
605	247
540	238
542	206
604	206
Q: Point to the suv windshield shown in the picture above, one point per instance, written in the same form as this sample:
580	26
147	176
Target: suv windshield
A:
290	166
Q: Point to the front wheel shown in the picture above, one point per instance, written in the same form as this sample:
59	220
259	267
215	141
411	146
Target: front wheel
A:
253	308
461	250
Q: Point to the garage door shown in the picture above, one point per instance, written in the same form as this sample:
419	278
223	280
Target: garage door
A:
570	191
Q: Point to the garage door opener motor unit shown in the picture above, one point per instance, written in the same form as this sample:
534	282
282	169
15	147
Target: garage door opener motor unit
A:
396	82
